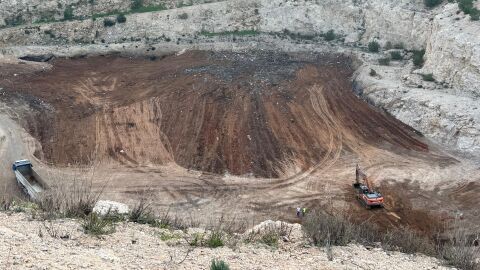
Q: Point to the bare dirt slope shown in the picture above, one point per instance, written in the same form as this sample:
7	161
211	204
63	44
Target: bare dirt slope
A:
217	112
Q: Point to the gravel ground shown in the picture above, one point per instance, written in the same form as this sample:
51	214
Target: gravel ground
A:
33	244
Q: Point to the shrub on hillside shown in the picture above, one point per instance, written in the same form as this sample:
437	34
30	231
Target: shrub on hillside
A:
108	22
432	3
330	35
428	77
388	45
326	229
396	55
219	265
68	13
384	61
418	57
121	18
73	201
408	241
95	225
136	4
373	46
14	21
399	46
142	214
183	16
456	248
215	239
467	6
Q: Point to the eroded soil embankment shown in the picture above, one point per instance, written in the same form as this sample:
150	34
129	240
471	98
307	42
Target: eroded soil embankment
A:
253	113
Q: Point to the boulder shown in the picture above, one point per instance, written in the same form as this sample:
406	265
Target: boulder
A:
104	207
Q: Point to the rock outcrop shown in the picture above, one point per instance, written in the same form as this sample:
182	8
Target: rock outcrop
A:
453	52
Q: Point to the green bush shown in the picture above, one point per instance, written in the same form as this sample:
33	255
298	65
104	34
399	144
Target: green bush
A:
418	57
108	23
330	35
384	61
14	21
467	6
121	18
215	240
219	265
68	13
428	77
388	45
399	46
183	16
232	33
197	240
136	4
475	16
270	238
95	225
373	46
432	3
142	214
396	55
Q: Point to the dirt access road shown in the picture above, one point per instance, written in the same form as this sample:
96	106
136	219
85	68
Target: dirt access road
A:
249	134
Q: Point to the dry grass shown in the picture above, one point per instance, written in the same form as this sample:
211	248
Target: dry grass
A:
5	202
338	230
269	235
6	199
142	213
96	225
73	199
459	247
456	247
408	241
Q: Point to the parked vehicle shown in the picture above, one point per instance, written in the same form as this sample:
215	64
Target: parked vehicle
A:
30	181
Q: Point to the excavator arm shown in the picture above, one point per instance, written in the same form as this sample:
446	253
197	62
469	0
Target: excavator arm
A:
367	182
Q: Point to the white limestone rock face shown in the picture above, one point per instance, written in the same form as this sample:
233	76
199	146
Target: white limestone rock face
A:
448	119
453	52
110	207
400	22
396	21
404	21
31	11
310	17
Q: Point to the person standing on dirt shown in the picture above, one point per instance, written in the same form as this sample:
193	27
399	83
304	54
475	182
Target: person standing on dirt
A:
298	211
304	211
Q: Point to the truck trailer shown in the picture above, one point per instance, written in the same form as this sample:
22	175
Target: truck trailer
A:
28	179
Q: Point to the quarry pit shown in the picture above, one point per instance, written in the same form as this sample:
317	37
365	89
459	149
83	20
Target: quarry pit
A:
249	114
253	134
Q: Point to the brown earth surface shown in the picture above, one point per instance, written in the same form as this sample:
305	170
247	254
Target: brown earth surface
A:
258	134
238	113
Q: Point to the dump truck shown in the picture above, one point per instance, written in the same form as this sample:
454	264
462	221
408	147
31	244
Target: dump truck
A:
365	194
28	179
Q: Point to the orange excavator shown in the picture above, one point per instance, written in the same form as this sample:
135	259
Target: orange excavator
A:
365	193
